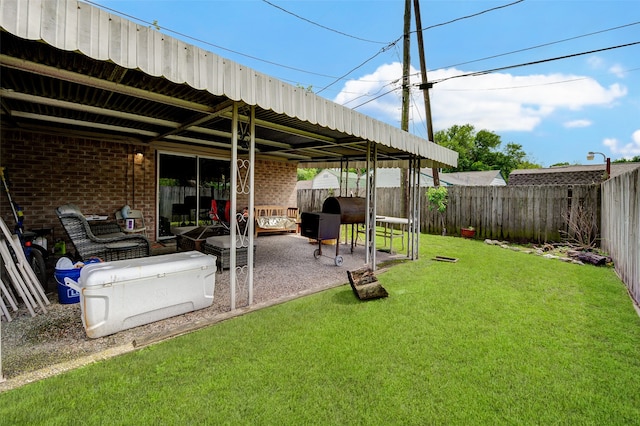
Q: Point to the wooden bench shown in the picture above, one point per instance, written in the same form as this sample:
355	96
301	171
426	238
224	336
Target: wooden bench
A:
275	219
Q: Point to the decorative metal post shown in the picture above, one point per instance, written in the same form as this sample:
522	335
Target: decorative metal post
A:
370	224
414	211
242	180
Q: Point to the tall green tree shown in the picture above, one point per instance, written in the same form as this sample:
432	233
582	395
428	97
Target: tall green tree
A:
635	159
307	174
481	150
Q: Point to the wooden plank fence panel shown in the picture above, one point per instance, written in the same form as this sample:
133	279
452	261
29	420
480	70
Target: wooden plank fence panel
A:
496	214
519	213
532	227
620	227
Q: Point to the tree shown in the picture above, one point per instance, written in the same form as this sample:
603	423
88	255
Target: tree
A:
635	159
481	150
308	89
307	174
438	200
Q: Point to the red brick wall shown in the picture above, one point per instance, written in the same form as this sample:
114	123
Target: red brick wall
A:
46	171
275	181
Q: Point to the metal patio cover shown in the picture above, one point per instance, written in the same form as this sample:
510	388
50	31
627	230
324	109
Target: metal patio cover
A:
71	68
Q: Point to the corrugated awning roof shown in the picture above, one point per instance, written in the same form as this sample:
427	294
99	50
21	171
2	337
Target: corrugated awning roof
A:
68	66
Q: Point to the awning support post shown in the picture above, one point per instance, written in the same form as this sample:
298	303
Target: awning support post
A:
370	219
242	182
414	208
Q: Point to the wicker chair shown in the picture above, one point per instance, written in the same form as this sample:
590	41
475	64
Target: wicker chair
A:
100	239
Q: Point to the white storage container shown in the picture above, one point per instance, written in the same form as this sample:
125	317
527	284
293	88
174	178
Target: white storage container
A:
122	294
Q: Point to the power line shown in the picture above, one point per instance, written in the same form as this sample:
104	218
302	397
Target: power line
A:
477	73
384	49
470	16
527	48
370	94
377	97
541	45
526	86
531	48
399	38
505	88
322	26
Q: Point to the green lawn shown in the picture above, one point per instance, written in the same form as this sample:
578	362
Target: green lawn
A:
499	337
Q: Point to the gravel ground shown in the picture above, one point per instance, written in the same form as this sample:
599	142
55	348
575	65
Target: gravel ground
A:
37	347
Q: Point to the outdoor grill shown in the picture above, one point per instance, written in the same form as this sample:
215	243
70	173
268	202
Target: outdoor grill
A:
321	226
352	210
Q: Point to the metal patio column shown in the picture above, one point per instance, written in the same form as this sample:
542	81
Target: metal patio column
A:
242	182
414	208
232	193
370	220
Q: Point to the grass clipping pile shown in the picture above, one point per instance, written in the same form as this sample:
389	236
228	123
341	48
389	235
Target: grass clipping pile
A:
31	343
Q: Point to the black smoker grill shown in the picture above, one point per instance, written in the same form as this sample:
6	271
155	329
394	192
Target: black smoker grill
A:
352	211
321	226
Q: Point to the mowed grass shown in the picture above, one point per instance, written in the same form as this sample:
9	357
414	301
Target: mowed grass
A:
499	337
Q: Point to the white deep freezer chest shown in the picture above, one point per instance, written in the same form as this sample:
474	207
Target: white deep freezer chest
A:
122	294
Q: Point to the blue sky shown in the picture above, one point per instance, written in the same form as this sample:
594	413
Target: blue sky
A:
557	110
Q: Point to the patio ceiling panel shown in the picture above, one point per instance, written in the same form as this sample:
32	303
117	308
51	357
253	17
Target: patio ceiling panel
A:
110	63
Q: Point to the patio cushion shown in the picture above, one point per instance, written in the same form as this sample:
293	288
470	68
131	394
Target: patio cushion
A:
223	241
69	209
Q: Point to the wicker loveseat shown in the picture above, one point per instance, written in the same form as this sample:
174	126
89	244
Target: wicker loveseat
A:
100	238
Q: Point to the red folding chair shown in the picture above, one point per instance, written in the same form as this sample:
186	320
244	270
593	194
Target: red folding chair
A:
215	215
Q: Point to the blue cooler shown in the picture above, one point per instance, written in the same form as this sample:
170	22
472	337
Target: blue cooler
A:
67	295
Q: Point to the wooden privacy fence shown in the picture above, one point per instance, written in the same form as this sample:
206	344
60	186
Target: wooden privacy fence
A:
170	195
621	227
519	213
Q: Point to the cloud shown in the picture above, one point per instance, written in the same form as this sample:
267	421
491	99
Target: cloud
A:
386	78
618	71
496	102
577	123
595	62
627	150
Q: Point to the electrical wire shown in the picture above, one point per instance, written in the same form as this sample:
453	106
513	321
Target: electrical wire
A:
526	86
525	49
393	43
322	26
384	49
377	97
504	88
540	45
477	73
470	16
396	81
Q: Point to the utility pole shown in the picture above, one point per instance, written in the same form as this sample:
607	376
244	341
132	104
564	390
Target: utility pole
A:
404	122
425	87
406	66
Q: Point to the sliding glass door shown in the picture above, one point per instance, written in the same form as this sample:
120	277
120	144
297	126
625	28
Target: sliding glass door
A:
187	185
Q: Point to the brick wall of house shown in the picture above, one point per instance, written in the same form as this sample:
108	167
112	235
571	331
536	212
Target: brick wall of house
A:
275	182
46	171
